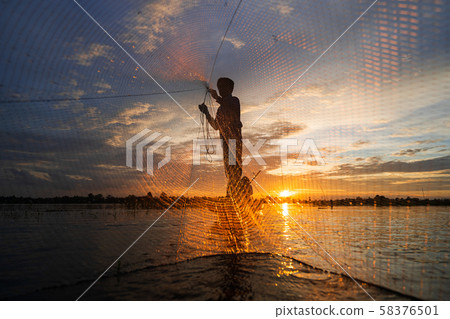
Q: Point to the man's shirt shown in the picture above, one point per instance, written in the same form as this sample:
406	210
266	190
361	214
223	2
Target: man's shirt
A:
228	117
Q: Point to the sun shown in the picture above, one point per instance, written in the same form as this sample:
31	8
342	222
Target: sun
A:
286	193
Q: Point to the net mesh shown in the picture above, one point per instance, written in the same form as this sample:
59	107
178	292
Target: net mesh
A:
64	80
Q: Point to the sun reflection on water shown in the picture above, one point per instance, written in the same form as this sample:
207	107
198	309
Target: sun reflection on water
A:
285	211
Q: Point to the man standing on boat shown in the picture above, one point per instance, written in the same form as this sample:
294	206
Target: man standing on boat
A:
228	122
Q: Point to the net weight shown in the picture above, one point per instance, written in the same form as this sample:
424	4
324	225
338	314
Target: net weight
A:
408	310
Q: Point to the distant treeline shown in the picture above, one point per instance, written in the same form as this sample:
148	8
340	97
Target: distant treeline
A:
377	200
131	201
149	201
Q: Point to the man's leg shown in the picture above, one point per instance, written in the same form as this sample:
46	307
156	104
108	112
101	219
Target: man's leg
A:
232	158
237	169
235	164
226	164
239	154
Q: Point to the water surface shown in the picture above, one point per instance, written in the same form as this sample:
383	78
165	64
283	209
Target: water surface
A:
56	251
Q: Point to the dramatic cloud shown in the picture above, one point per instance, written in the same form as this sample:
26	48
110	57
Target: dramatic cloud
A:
147	29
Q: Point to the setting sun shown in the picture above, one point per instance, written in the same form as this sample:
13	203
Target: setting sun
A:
286	193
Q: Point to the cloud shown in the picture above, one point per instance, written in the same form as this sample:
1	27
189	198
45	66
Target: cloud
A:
94	50
40	175
313	90
23	176
282	8
37	163
235	42
285	128
331	150
110	166
411	152
422	142
79	178
373	159
72	93
276	130
32	147
309	166
152	22
116	140
103	87
134	114
430	141
373	129
377	167
321	94
360	143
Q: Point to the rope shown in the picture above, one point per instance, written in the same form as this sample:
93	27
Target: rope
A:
202	118
205	127
205	130
223	39
90	98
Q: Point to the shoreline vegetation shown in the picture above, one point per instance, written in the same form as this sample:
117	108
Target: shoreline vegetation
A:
149	201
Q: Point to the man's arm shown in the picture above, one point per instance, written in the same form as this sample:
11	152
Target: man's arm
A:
215	96
204	109
211	121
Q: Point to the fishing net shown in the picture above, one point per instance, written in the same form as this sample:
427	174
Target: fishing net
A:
79	79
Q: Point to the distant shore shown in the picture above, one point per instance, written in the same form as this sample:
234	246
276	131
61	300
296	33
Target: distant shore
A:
149	201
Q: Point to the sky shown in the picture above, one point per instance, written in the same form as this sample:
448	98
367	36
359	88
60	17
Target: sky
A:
371	93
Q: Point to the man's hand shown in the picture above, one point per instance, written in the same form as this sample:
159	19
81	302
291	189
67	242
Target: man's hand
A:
203	108
213	93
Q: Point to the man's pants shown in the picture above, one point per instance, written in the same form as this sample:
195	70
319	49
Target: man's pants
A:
232	160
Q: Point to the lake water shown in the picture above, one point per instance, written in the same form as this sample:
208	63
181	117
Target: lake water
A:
283	252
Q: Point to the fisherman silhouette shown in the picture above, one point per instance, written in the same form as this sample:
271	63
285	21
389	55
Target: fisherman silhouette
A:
228	122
